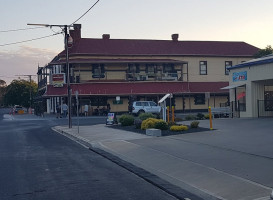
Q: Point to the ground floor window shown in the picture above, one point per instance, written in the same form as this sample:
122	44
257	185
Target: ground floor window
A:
199	99
268	97
241	98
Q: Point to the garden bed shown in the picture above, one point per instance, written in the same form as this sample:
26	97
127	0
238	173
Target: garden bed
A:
163	132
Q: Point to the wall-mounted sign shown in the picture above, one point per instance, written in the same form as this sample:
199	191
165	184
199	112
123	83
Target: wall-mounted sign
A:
58	80
239	76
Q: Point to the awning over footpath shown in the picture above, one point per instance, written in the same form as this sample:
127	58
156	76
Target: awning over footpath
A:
232	86
137	88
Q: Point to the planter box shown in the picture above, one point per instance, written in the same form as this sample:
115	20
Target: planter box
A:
153	132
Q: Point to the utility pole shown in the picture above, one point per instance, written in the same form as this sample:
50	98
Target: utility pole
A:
67	39
30	92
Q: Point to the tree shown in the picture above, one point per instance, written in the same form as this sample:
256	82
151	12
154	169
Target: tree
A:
2	83
18	93
263	52
3	86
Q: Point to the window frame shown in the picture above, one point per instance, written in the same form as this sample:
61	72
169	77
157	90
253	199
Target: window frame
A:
203	63
101	69
227	64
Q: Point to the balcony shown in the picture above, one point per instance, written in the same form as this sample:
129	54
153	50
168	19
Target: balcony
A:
123	76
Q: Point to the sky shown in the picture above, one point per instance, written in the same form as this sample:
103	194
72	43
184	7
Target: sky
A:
199	20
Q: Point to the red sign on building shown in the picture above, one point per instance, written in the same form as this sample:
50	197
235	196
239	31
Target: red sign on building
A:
58	80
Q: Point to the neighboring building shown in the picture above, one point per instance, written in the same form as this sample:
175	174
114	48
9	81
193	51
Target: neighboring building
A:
251	87
102	69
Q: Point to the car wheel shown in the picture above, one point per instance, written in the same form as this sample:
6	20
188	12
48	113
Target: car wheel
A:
141	111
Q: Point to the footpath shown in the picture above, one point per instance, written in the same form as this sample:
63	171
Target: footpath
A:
233	162
183	160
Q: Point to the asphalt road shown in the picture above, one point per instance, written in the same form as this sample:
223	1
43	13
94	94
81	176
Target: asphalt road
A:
37	163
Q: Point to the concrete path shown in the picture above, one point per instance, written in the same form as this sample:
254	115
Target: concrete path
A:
220	164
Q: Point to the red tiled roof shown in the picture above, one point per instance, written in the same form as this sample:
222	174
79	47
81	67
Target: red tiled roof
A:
138	88
161	47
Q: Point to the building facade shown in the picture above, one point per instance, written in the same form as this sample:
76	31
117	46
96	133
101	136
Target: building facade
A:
104	70
251	87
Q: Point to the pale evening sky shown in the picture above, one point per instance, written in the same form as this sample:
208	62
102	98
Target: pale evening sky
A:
216	20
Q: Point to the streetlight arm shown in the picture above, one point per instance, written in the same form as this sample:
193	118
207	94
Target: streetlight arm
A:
45	25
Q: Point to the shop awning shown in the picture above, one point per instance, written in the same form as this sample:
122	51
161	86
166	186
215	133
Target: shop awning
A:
231	86
137	88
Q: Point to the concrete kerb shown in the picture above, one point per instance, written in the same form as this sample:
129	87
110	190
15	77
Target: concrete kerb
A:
74	137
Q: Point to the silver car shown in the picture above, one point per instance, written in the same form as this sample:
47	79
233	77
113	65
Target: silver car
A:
139	107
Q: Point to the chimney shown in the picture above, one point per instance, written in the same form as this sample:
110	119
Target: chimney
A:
76	33
175	37
106	36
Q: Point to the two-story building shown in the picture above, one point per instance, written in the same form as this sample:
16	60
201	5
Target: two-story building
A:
104	70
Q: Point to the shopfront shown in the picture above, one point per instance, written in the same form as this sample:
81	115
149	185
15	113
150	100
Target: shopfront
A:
251	88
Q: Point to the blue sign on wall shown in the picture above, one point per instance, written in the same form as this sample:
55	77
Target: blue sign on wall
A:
239	76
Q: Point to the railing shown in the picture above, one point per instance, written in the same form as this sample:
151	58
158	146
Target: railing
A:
265	108
154	76
120	76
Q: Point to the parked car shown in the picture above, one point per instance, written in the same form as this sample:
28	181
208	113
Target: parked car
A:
139	107
17	108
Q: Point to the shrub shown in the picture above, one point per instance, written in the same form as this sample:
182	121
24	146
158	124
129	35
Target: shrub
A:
200	116
179	128
171	123
148	123
178	119
144	116
190	117
126	120
194	124
206	116
138	123
161	124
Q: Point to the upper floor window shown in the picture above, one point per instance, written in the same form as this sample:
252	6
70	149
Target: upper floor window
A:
133	68
150	68
227	65
98	71
203	68
168	68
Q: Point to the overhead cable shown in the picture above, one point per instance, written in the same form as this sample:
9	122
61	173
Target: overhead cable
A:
86	12
20	29
1	45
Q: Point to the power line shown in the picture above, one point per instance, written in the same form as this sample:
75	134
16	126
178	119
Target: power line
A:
1	45
5	31
86	12
20	29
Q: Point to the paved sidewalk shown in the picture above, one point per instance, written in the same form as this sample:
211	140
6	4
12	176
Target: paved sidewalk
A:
179	160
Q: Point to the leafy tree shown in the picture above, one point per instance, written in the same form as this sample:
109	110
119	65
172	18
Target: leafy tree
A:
18	93
2	91
263	52
2	83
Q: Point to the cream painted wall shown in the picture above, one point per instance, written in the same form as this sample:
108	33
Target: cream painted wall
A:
257	77
189	102
215	66
118	107
115	75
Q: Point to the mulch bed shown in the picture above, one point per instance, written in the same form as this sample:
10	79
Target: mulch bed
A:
164	132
